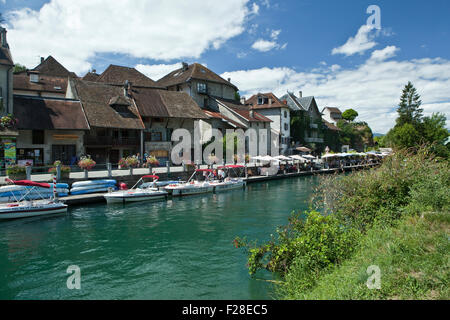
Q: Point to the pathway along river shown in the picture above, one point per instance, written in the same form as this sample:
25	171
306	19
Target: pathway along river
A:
179	249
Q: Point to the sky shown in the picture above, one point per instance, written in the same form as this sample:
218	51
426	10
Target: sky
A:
340	52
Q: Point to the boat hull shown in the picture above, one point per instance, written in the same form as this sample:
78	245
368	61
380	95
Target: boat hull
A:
124	197
26	212
229	186
188	191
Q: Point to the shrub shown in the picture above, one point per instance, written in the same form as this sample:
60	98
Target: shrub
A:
15	169
314	240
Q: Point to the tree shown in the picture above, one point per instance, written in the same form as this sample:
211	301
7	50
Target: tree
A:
409	110
349	115
237	96
18	68
434	128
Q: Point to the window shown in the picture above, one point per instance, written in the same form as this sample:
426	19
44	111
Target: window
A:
260	100
285	113
286	127
156	136
201	88
38	137
34	77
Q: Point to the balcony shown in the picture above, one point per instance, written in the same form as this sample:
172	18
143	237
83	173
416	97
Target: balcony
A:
314	140
90	140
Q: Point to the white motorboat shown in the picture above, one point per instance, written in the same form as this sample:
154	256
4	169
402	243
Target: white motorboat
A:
192	186
145	192
228	183
31	208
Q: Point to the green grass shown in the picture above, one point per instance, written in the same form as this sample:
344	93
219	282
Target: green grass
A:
413	256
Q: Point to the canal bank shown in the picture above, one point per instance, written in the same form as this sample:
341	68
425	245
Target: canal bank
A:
130	180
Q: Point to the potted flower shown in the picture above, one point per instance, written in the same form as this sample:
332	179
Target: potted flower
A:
132	162
86	163
152	162
123	163
65	170
247	158
16	172
8	121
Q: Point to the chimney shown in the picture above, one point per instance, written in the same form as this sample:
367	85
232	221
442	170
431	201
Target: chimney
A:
284	101
42	59
229	79
251	113
127	88
185	66
242	100
3	42
270	101
300	94
94	71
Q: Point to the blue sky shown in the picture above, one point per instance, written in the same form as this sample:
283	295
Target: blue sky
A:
262	45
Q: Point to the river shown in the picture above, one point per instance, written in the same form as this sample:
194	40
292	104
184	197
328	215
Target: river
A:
175	249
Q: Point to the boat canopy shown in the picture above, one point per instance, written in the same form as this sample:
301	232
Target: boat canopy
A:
150	176
29	183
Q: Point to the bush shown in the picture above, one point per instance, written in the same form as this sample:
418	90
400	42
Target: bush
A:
313	240
15	169
152	161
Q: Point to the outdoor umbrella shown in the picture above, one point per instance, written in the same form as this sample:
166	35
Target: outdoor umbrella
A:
303	149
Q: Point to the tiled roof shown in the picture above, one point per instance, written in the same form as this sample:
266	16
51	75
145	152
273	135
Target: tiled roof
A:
276	103
118	75
51	67
162	103
91	76
332	109
5	56
194	71
292	102
49	113
243	111
218	115
21	81
331	126
95	98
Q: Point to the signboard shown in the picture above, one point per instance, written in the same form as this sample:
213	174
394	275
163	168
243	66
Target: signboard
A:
10	152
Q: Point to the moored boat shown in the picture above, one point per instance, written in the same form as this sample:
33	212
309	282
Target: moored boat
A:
145	192
22	208
192	187
228	183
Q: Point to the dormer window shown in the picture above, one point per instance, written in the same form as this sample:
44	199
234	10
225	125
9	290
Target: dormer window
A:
34	77
201	88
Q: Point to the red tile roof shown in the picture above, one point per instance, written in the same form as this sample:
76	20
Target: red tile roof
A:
276	103
49	113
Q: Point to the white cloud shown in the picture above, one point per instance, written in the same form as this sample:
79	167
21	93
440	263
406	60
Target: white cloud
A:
264	45
274	34
74	31
157	71
384	54
267	45
373	88
360	43
255	8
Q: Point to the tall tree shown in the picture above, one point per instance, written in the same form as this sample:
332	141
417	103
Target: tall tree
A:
409	110
349	114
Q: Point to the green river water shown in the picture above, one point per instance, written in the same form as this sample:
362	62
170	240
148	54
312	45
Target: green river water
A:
179	249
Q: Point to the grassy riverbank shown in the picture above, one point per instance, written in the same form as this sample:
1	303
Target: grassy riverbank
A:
395	217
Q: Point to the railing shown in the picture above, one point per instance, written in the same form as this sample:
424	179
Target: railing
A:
110	141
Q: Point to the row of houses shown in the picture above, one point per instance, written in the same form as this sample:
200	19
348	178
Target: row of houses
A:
121	112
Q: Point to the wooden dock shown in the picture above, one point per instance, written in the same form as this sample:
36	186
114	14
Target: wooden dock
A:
98	197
